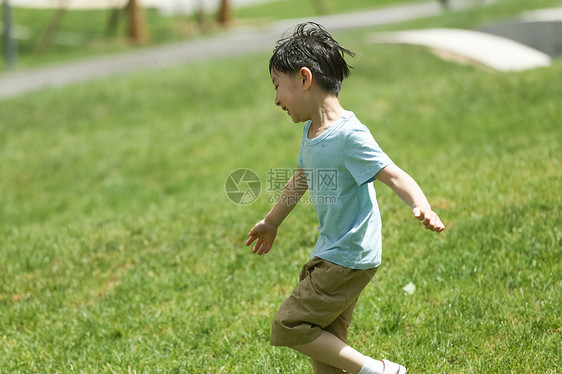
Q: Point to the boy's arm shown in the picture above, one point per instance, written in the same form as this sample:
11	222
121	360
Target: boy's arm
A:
409	191
266	230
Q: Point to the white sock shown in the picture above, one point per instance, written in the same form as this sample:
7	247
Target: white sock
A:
372	367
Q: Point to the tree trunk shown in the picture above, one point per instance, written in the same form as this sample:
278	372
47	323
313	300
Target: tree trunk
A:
320	7
137	23
53	27
11	49
113	22
225	13
200	16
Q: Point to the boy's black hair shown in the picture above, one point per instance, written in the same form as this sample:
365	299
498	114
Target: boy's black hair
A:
311	46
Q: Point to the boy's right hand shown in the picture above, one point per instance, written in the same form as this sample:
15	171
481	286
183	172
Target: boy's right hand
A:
265	233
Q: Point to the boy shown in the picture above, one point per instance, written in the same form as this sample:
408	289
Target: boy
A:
307	70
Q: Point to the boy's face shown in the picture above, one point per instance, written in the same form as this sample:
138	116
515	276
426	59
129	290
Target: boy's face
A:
289	94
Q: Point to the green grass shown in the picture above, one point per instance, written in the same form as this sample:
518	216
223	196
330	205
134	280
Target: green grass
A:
120	251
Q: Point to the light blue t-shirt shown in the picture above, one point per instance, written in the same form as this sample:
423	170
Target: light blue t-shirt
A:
339	165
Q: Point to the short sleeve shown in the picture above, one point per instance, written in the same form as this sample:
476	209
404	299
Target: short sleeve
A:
300	159
363	157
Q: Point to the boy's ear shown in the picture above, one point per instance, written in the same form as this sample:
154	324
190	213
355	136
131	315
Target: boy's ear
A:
305	76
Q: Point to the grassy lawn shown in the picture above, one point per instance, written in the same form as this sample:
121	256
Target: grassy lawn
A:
120	251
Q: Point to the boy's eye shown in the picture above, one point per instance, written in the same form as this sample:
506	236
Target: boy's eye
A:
275	87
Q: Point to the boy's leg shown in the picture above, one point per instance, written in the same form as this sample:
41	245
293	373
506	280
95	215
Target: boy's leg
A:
333	352
322	368
339	329
324	293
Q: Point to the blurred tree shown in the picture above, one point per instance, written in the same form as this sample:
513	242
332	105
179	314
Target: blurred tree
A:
11	49
444	4
200	16
320	7
225	13
137	22
113	21
49	34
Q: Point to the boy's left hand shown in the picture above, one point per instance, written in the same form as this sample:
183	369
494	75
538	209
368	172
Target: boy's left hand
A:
429	218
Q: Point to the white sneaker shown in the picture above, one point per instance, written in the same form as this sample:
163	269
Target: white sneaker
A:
392	368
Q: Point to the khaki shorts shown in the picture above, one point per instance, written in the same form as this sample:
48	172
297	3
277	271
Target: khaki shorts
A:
324	300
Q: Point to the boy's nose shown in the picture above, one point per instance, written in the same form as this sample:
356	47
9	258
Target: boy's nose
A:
277	102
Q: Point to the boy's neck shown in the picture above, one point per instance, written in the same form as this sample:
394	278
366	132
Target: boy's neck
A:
326	112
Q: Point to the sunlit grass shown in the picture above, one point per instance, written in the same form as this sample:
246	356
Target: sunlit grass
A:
120	250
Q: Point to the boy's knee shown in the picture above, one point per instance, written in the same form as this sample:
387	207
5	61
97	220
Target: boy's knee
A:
291	334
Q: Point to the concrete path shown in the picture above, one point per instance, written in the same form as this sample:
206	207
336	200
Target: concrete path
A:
540	29
471	47
232	43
